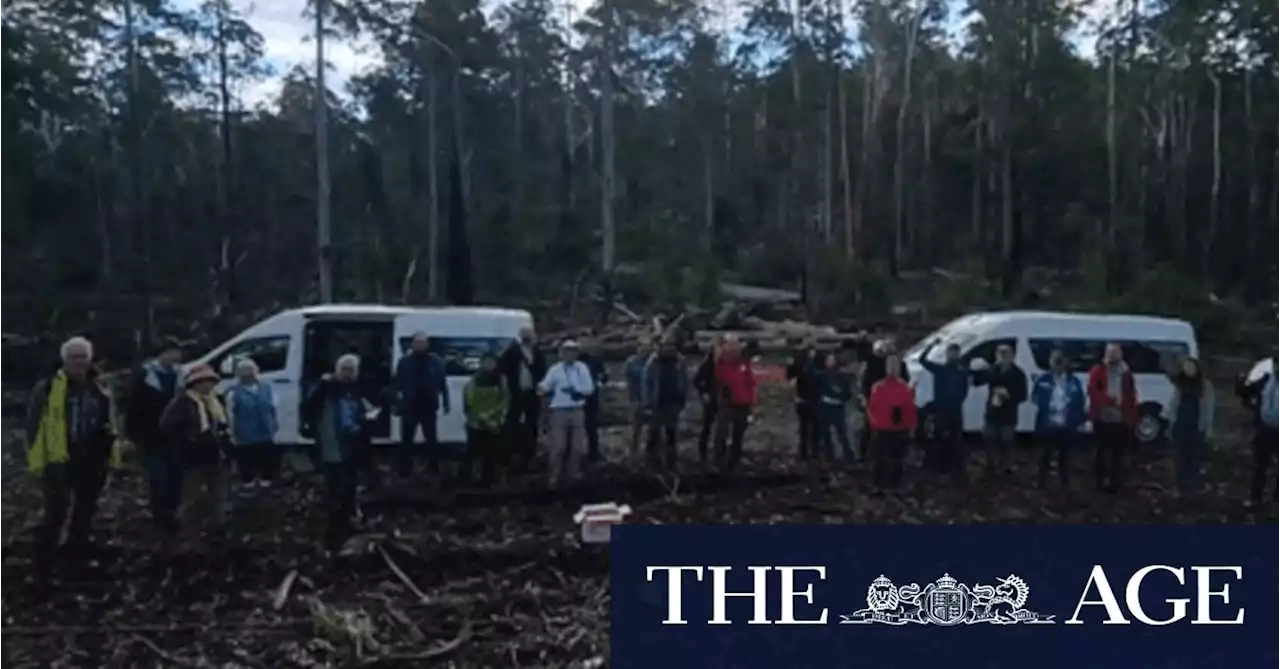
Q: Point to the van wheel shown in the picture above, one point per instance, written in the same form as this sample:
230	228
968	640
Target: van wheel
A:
1151	427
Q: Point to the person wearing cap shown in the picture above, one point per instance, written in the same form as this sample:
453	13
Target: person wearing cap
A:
335	410
69	446
421	390
484	403
195	428
524	365
736	381
251	408
154	385
566	388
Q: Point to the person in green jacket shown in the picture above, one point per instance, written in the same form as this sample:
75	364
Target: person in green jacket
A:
485	401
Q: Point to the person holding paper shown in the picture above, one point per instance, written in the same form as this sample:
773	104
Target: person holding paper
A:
1007	384
565	389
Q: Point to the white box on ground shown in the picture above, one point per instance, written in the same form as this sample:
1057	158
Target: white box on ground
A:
597	521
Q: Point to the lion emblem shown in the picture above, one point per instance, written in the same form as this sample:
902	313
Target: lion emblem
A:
882	595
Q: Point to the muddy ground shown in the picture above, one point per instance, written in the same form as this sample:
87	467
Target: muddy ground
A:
500	578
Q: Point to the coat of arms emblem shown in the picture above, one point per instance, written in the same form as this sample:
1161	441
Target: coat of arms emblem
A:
947	602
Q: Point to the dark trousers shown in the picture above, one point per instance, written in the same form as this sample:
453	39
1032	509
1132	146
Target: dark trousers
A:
1189	449
1112	441
74	485
730	430
947	450
340	501
591	414
1000	440
833	428
1264	453
164	483
807	426
522	427
258	461
889	452
410	423
485	455
709	412
1056	444
663	424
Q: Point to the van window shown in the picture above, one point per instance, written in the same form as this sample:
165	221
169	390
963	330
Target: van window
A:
461	355
1143	357
987	350
270	353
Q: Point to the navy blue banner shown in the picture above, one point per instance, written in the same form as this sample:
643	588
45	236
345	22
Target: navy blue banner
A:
949	597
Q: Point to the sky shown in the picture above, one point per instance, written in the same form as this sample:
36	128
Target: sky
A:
285	30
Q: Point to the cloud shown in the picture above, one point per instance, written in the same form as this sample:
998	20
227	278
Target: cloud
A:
286	32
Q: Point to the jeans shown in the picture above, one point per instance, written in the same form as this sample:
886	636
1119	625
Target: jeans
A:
340	501
889	452
663	424
709	412
410	423
807	422
999	440
1056	443
484	455
1109	459
257	461
1189	449
74	485
1264	453
730	430
948	448
833	419
164	478
522	426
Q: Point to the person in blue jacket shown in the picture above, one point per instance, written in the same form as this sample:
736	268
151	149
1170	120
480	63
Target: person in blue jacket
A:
420	389
945	452
251	409
1059	399
834	392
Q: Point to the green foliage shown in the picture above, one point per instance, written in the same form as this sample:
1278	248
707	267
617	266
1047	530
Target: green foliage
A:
843	283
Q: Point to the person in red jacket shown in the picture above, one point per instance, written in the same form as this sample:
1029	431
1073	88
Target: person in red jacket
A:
1113	410
736	383
891	415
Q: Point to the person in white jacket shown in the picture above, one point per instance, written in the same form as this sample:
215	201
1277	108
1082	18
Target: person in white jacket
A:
565	389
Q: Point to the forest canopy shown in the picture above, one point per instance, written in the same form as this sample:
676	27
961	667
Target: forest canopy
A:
856	138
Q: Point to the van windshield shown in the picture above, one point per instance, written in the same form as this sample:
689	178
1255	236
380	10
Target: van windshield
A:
461	355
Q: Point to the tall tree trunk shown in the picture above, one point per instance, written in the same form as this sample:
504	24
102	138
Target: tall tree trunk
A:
708	196
976	204
1113	173
846	169
828	176
925	221
900	150
138	207
226	278
1215	187
324	245
870	117
607	231
433	192
1252	224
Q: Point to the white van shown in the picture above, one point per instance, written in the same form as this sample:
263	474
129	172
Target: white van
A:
1150	344
295	348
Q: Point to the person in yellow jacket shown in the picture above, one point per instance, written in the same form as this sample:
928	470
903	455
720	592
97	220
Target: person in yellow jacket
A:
70	444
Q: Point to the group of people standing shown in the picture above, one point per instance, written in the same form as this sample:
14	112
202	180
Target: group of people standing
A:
186	432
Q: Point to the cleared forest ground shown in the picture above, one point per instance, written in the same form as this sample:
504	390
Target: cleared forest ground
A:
501	577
